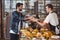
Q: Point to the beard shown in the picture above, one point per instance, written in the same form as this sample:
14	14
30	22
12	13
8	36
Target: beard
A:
20	9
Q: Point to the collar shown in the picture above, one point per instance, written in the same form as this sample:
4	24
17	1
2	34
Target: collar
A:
50	12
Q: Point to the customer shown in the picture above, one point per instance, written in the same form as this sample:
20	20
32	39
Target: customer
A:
16	18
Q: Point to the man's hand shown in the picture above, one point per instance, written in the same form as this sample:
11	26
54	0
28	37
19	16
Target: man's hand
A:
34	19
31	18
28	18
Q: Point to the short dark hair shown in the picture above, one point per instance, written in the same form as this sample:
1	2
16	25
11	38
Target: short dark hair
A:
18	4
50	6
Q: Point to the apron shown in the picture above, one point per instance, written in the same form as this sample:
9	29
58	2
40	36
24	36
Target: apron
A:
52	28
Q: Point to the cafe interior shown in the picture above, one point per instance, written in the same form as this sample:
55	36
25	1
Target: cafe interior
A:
29	30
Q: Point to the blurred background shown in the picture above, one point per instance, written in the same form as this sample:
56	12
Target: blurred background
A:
30	7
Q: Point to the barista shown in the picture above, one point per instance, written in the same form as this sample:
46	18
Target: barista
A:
51	18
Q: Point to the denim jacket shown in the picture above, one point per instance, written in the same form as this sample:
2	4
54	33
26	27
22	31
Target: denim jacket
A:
15	19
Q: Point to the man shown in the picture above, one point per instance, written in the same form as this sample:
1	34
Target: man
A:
16	18
51	19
